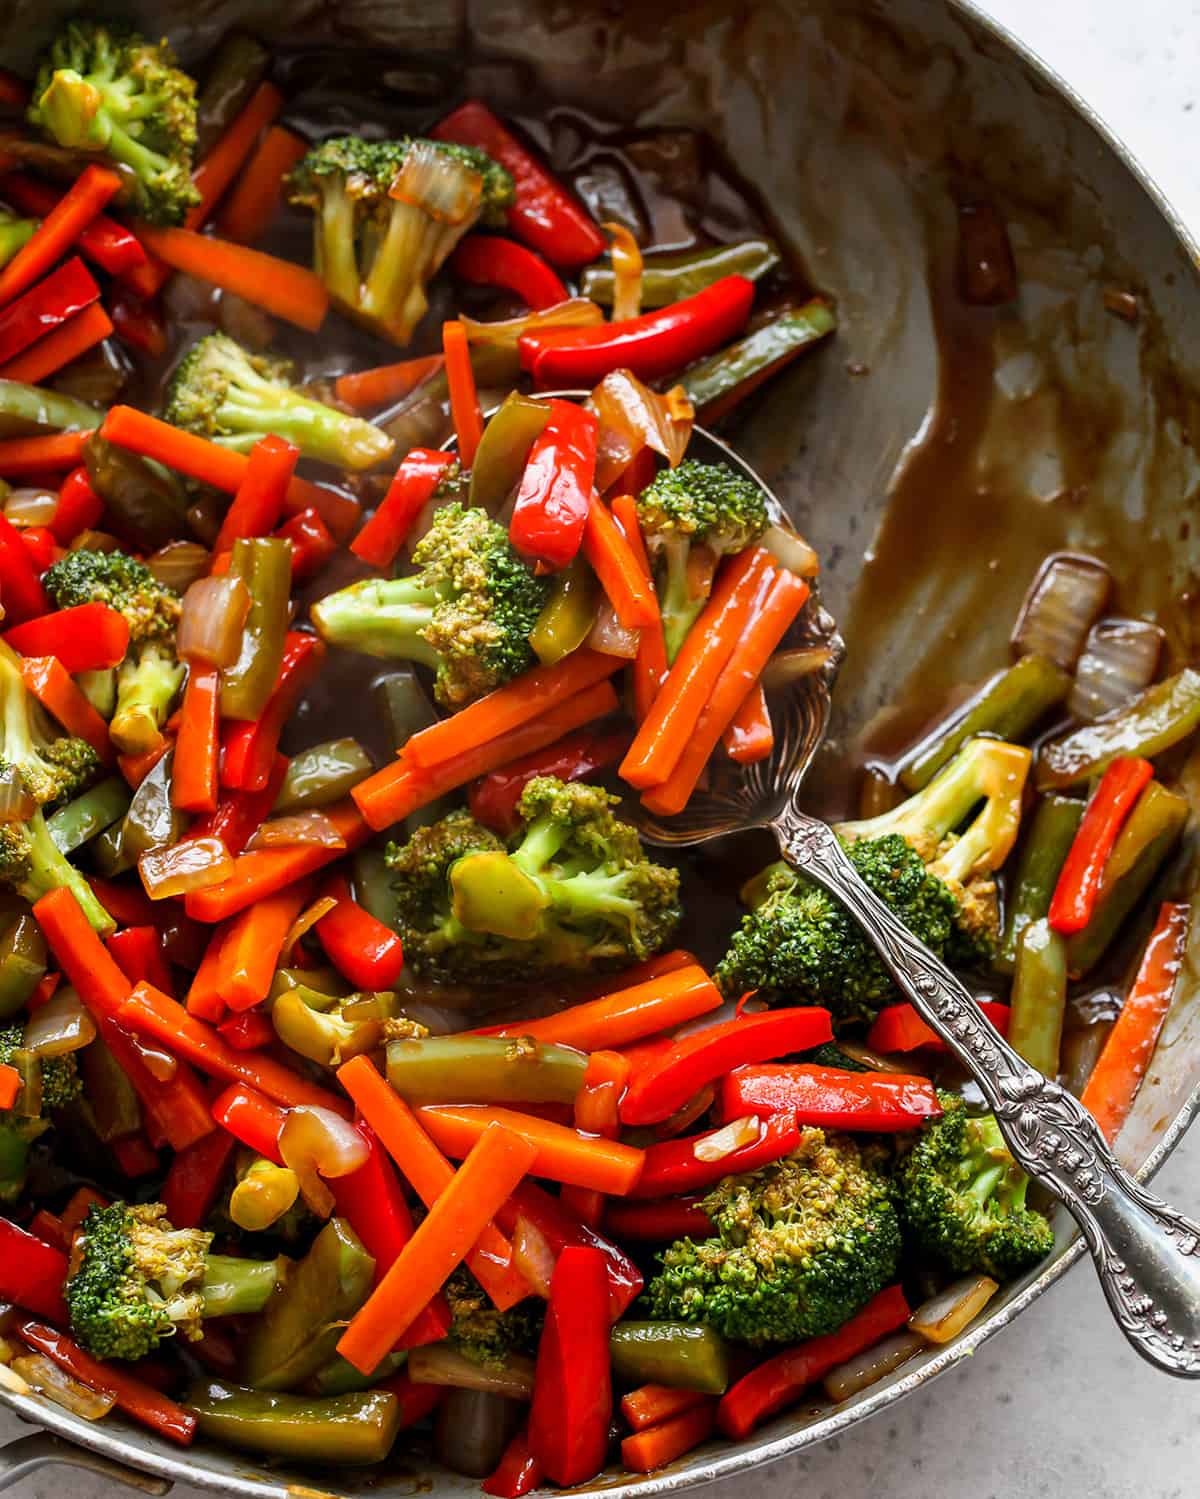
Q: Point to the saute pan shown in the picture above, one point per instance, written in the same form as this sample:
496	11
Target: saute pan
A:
932	459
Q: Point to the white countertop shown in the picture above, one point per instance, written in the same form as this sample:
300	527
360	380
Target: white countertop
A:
1057	1404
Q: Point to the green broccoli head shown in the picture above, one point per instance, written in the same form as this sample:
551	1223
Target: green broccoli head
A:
962	1197
105	89
387	214
696	505
222	391
467	613
31	864
46	1084
58	1082
801	1245
481	1333
52	767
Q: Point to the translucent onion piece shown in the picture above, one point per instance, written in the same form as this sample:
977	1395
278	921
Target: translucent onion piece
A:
30	507
791	551
297	828
472	1428
59	1026
194	864
786	667
16	804
1118	664
737	1134
575	312
533	1256
909	1064
943	1317
318	1143
698	1104
12	1383
868	1367
627	273
179	564
441	186
305	922
56	1384
631	417
435	1363
210	626
1063	603
610	637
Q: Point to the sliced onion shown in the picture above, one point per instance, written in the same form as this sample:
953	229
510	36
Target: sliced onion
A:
1063	603
436	1363
786	667
318	1143
194	864
59	1026
179	564
56	1384
575	312
870	1366
631	417
610	637
210	625
735	1135
297	828
627	273
791	551
533	1256
876	1061
12	1383
943	1317
472	1428
16	804
1118	664
305	922
698	1104
30	507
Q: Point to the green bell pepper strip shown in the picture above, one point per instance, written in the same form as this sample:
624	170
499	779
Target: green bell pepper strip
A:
81	820
568	615
26	409
1007	706
114	1104
500	458
298	1332
146	504
1039	996
403	705
235	1287
153	821
15	1141
22	963
264	564
1045	849
484	1069
109	854
672	276
679	1354
322	775
1163	716
351	1430
340	1377
720	382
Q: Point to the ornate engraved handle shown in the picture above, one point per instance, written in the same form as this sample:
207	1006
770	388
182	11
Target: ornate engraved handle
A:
1147	1254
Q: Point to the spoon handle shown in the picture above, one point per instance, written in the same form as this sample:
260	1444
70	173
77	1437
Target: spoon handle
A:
1146	1254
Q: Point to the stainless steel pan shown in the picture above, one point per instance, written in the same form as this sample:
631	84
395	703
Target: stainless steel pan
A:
1059	424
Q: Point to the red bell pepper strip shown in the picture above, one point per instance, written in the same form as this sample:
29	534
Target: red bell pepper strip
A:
248	749
575	757
311	541
50	354
408	493
556	488
89	637
416	1401
32	1273
1111	803
518	1470
195	1178
572	1388
140	957
51	684
10	1085
46	1226
653	345
657	1222
262	494
780	1381
46	306
657	1090
133	1396
900	1028
672	1166
135	1156
829	1097
543	213
364	951
20	587
60	229
252	1118
491	260
110	245
38	542
249	1031
139	324
79	507
14	91
659	1445
239	813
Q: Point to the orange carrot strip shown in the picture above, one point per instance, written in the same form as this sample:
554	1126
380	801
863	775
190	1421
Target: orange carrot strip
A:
52	685
368	389
223	163
76	336
253	944
54	452
767	625
750	737
659	1004
194	770
400	788
659	1445
494	1166
710	642
563	1154
464	398
652	1404
135	768
203	1001
10	1085
1122	1065
81	955
255	200
490	1260
650	664
277	286
58	231
616	564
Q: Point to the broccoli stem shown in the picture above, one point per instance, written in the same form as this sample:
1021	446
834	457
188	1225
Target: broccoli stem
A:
235	1287
680	610
333	248
255	406
146	687
380	617
49	870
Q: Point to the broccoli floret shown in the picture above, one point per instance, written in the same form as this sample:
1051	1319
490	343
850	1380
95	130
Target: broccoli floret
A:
31	864
53	767
574	891
106	89
481	1333
801	1245
962	1197
467	613
696	508
387	214
136	1280
798	944
150	677
56	1083
14	232
224	392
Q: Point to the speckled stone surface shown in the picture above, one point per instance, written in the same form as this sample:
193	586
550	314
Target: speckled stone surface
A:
1056	1405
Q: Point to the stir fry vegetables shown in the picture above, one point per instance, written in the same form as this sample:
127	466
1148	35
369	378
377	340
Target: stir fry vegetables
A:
366	1028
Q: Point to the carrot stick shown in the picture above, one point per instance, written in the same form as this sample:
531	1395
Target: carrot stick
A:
767	625
223	163
58	231
659	1445
563	1154
367	389
252	945
526	697
430	1173
650	664
659	1004
464	398
392	793
203	1001
277	286
1122	1065
750	737
54	452
194	771
81	333
259	501
621	575
79	952
494	1166
652	1404
254	201
266	870
709	644
52	685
